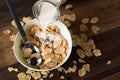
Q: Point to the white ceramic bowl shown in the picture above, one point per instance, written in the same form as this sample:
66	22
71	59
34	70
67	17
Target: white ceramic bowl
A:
18	53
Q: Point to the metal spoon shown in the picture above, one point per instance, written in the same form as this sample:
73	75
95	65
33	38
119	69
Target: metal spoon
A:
23	35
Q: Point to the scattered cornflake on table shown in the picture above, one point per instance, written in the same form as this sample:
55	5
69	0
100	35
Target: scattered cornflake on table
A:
97	52
67	23
29	71
15	69
51	75
69	6
83	37
60	69
62	18
85	20
23	76
26	19
95	29
36	75
14	24
94	20
7	32
86	67
10	69
83	28
81	72
109	62
81	60
80	53
71	17
62	77
12	37
75	62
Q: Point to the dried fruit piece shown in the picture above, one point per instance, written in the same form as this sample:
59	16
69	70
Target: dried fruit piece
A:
95	29
97	52
26	19
86	67
83	37
81	72
80	53
94	20
85	20
83	28
67	23
7	32
69	6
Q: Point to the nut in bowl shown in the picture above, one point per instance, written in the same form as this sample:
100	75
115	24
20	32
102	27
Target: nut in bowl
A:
54	43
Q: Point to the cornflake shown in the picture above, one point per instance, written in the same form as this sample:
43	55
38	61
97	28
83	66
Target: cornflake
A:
69	6
29	71
27	52
80	53
12	37
85	20
7	32
60	69
36	75
67	23
21	75
83	28
86	67
80	42
75	62
51	75
97	52
88	53
62	18
94	20
62	77
81	61
26	19
109	62
81	72
95	29
71	17
14	24
10	69
83	37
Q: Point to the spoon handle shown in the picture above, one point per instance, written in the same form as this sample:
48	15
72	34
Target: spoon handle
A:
13	13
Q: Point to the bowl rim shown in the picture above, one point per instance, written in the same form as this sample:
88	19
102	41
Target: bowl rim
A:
35	69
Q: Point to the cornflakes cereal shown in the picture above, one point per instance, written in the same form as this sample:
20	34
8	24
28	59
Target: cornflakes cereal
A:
80	53
10	69
51	75
26	19
36	75
15	69
94	20
69	6
62	77
83	37
71	17
75	62
82	72
60	69
88	53
80	42
14	24
109	62
67	23
81	61
36	55
85	20
86	67
62	18
12	37
27	52
97	52
7	32
83	28
29	71
95	29
21	75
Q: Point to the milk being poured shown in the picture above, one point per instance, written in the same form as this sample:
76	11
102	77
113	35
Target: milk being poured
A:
48	14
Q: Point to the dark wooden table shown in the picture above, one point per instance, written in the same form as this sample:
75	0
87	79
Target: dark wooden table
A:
108	38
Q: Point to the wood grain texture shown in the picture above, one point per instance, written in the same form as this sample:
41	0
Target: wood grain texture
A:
108	38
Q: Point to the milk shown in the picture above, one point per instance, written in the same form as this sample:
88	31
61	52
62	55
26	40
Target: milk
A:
48	14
